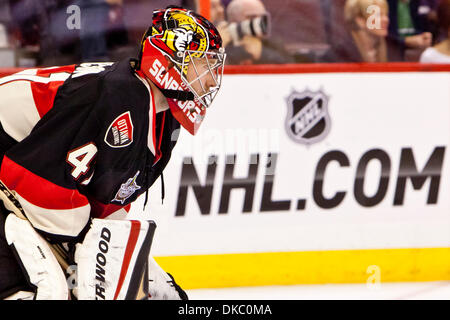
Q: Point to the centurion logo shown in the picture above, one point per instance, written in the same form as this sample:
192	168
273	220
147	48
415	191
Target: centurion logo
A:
307	120
120	132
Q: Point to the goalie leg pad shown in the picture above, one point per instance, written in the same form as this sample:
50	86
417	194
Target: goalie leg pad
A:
112	260
42	269
12	279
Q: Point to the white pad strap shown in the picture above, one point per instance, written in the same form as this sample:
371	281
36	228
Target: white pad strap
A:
42	268
112	260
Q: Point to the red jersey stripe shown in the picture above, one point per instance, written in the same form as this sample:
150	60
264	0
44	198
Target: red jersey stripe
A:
46	72
100	210
37	190
44	93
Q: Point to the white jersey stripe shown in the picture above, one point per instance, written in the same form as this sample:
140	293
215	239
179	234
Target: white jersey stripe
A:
68	222
18	112
151	113
61	76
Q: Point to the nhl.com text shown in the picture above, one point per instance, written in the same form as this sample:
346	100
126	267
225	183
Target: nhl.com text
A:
406	164
218	154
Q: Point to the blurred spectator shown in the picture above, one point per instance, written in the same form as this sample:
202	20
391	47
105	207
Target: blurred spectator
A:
368	33
427	15
137	17
7	56
217	17
40	33
407	30
30	25
244	48
5	19
26	21
102	29
116	31
440	53
217	11
94	21
188	4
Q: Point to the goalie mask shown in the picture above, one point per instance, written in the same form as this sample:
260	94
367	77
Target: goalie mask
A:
182	54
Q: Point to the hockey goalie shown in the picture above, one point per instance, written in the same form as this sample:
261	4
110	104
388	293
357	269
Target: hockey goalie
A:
79	144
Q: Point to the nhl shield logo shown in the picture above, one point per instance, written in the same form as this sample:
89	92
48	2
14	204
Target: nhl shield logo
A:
307	120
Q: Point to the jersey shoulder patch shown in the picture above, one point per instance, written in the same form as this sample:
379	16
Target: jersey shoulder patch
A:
120	131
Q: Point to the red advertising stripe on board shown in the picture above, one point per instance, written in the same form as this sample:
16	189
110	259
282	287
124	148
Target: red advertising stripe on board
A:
315	68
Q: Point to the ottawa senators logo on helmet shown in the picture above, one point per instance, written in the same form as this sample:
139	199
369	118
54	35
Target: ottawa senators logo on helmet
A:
182	55
177	30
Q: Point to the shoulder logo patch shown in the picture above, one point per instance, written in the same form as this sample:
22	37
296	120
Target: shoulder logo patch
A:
127	189
120	132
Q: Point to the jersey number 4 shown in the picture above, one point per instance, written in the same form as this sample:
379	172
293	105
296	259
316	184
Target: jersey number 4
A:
81	158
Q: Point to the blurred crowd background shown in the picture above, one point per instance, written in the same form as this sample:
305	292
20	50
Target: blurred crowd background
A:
57	32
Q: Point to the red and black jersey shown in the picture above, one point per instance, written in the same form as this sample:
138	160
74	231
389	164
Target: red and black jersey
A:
80	141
